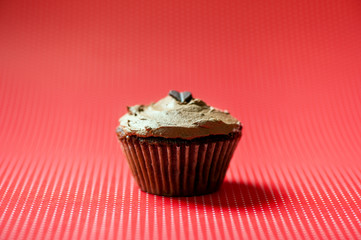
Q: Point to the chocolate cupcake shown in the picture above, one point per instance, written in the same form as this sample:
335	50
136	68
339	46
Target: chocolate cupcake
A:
178	146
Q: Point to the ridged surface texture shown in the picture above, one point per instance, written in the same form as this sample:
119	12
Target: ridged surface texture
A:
179	170
289	70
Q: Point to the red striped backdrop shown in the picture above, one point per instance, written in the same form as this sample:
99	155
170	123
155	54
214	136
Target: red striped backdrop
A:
289	70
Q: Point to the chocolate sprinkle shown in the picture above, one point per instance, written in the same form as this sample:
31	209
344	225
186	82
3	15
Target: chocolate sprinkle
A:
181	96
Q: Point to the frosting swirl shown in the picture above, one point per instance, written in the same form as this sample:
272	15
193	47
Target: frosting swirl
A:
169	118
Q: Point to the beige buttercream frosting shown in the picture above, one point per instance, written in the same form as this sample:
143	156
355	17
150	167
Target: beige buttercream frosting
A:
170	118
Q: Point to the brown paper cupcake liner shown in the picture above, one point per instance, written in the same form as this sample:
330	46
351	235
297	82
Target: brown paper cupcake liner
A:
170	169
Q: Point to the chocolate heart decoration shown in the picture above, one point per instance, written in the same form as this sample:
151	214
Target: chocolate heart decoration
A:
181	96
175	94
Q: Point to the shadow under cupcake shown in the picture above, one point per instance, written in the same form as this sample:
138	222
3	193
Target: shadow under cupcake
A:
178	146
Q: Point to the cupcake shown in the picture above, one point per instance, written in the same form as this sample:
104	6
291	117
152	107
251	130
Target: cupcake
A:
178	146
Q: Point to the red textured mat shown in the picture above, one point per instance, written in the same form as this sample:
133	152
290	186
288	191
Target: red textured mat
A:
289	70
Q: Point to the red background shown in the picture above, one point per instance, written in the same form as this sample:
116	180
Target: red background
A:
289	70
